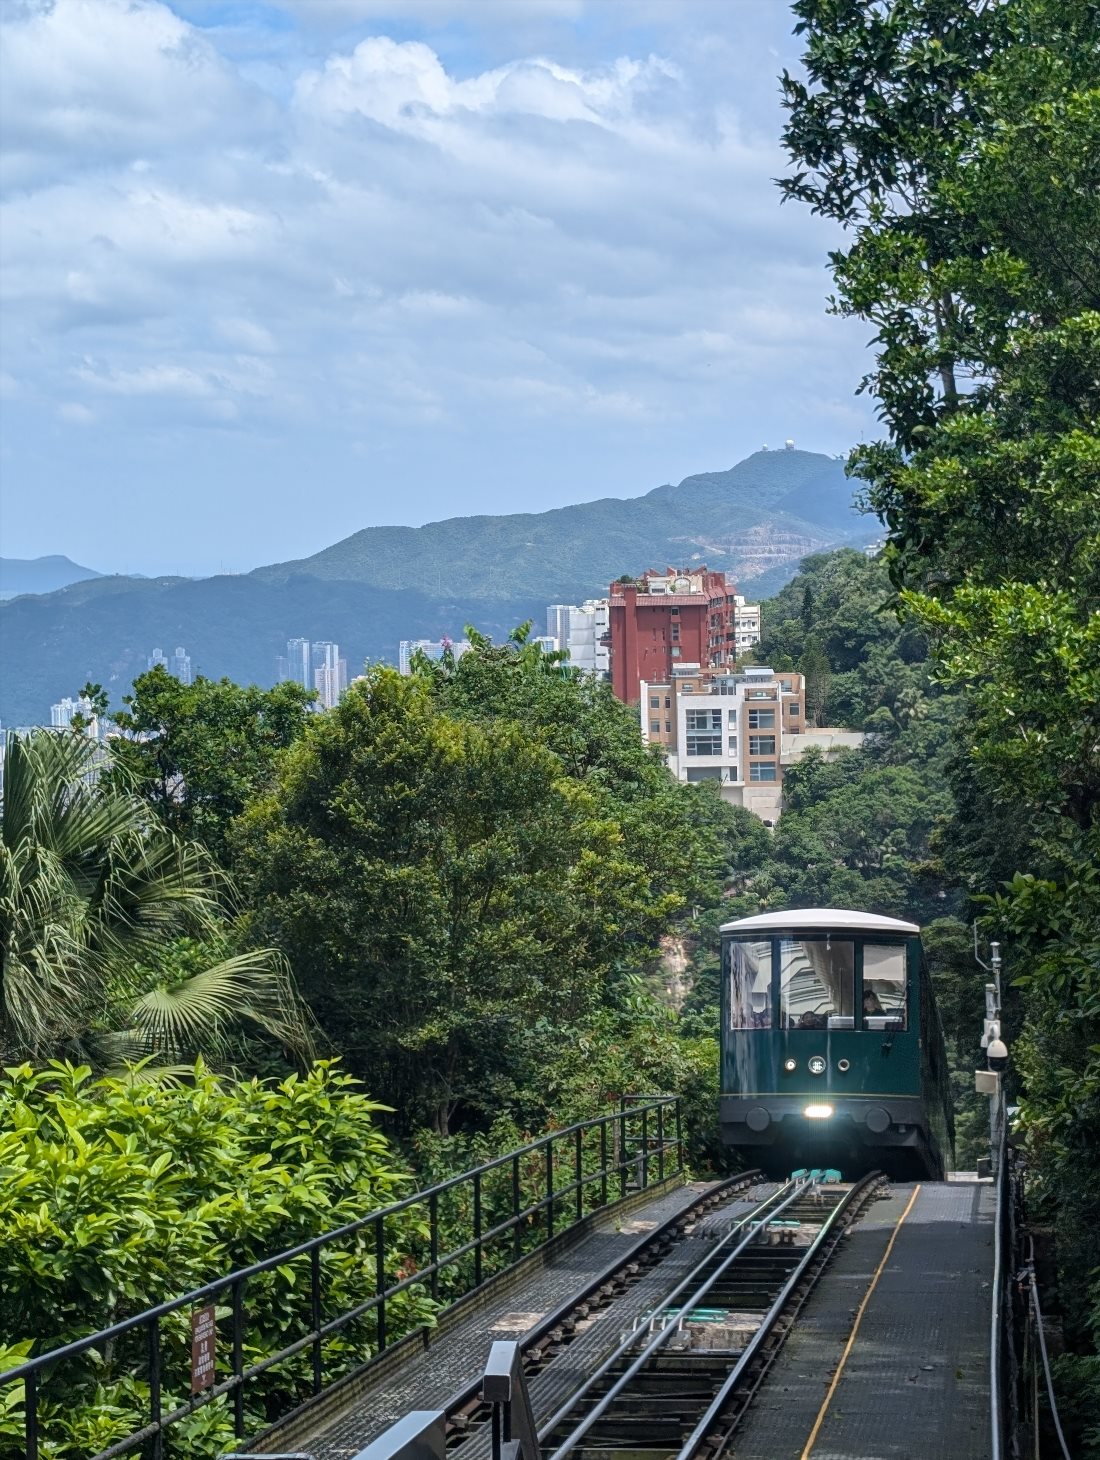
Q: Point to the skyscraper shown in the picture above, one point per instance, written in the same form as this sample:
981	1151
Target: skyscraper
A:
434	649
61	715
330	673
297	666
181	665
158	656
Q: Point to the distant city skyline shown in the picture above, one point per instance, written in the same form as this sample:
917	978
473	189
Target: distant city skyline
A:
580	277
317	665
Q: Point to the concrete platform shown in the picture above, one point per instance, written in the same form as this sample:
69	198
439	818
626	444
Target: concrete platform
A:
915	1380
339	1424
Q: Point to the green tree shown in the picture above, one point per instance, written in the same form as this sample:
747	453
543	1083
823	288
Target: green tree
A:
815	668
92	888
973	251
119	1194
447	894
197	753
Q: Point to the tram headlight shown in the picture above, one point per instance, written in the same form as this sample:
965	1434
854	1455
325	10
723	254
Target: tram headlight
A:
790	1065
844	1066
818	1112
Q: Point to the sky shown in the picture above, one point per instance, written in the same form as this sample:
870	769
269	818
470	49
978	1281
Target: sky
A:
276	272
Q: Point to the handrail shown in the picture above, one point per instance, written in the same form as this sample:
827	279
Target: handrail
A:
1000	1316
639	1145
504	1383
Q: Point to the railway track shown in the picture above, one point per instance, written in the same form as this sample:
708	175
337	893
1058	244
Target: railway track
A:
676	1383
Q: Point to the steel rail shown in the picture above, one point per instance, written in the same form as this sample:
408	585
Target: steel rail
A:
695	1441
771	1207
558	1316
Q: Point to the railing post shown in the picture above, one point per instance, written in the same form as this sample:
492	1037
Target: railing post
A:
433	1239
577	1165
315	1314
517	1204
622	1150
380	1278
679	1137
477	1229
152	1350
30	1408
661	1142
603	1162
645	1147
549	1189
238	1358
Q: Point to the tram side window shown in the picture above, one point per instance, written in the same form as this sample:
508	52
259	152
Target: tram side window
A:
817	983
883	986
750	976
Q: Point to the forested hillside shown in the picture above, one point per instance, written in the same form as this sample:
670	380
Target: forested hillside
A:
759	517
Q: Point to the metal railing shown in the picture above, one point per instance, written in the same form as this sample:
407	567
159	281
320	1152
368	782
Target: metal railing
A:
436	1245
1020	1370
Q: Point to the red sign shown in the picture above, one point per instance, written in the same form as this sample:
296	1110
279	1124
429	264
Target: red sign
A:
203	1334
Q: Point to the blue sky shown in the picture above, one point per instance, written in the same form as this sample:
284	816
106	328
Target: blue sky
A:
275	272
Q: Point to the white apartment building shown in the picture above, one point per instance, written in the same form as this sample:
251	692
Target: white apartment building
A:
746	624
330	673
582	630
735	729
61	715
433	648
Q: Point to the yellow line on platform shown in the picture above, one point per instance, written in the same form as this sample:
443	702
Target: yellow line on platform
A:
823	1411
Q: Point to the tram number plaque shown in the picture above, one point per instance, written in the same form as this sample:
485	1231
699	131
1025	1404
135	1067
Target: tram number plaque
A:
203	1335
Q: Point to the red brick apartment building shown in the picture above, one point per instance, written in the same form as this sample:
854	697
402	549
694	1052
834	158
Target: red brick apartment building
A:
663	620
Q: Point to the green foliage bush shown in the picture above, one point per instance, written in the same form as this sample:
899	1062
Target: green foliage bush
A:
119	1194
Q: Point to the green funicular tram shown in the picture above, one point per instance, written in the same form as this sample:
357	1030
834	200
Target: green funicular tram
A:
832	1051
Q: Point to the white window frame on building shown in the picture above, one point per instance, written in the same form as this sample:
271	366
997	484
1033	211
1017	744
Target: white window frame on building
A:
704	742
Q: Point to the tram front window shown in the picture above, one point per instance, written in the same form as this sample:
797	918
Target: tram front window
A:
817	983
883	987
750	982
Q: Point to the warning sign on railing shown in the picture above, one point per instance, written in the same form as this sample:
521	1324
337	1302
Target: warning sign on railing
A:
203	1335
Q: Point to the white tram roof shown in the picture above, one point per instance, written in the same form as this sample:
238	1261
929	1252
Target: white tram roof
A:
823	919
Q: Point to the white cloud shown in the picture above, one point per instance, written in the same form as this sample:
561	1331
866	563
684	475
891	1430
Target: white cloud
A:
148	380
404	86
247	335
420	254
73	413
93	81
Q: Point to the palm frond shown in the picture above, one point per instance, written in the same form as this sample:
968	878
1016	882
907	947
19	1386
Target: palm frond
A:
199	1013
92	888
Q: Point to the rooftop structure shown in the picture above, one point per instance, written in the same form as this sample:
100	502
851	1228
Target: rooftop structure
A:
663	620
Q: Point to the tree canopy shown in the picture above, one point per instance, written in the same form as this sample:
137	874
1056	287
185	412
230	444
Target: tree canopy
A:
960	146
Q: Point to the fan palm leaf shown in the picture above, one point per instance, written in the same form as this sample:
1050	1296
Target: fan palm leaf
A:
201	1011
92	887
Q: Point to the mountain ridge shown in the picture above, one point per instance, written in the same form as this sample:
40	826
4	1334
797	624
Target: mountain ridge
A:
41	575
534	552
756	521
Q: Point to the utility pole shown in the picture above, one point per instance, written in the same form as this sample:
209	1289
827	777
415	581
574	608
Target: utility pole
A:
990	1081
